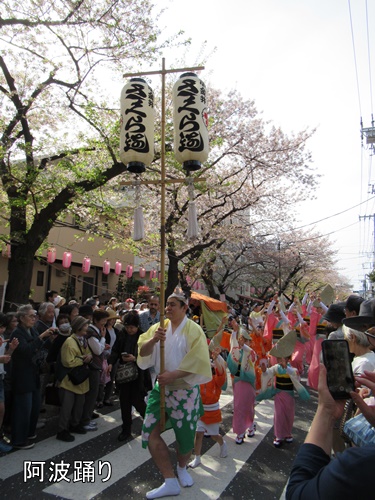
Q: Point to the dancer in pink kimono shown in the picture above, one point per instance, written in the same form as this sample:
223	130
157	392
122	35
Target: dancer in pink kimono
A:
280	381
241	364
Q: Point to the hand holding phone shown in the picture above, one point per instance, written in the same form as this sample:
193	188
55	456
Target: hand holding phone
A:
336	358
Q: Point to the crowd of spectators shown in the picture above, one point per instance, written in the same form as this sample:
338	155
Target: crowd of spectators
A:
42	345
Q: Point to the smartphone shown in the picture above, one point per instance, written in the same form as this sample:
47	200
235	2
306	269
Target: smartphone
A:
336	358
124	354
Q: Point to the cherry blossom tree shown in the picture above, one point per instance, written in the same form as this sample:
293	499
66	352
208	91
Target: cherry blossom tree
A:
58	121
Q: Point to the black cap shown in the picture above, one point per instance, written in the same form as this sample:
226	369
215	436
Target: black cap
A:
335	313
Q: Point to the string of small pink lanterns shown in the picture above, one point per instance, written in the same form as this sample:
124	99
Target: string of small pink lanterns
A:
86	265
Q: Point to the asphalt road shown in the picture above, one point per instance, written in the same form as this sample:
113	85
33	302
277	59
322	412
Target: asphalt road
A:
98	466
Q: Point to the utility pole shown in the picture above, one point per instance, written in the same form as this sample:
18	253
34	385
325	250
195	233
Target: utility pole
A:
373	256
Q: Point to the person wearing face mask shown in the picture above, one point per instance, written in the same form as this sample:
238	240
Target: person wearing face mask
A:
63	332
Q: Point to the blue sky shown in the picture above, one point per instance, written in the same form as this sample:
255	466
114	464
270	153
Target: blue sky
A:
295	58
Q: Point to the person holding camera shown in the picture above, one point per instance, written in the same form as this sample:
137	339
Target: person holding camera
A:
314	475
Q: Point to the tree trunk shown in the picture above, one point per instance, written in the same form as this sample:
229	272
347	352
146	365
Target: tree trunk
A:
172	273
20	271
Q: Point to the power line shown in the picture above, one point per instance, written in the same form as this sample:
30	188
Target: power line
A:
369	65
325	235
330	216
355	59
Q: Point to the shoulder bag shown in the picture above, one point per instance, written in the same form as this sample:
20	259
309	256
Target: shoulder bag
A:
126	373
79	374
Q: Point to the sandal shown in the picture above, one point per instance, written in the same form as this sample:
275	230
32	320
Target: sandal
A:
277	443
239	439
289	439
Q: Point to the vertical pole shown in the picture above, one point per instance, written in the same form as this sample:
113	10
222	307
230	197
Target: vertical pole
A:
279	253
162	244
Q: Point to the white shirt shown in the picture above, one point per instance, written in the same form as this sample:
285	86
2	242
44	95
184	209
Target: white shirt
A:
364	362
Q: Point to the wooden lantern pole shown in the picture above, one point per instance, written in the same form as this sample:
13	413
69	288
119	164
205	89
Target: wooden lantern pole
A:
162	244
162	183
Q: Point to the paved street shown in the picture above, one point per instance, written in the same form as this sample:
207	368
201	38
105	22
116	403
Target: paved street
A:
97	466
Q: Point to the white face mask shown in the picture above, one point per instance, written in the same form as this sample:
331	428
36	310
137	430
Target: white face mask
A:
56	300
64	328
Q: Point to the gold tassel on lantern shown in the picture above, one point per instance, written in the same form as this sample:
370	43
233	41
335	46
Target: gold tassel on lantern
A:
139	232
193	228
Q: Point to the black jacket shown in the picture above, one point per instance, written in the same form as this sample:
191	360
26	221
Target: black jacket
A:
128	343
25	371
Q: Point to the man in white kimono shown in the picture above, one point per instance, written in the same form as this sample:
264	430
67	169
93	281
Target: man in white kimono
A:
187	365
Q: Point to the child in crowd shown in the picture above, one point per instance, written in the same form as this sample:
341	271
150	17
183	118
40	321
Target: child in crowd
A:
261	345
210	421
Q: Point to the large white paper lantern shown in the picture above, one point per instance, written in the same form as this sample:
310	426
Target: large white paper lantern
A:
190	121
137	125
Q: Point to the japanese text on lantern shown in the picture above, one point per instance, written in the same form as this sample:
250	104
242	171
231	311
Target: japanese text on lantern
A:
135	129
189	127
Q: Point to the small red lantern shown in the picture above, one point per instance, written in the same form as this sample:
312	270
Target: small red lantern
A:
51	255
152	274
129	271
118	268
106	267
86	264
142	272
67	260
